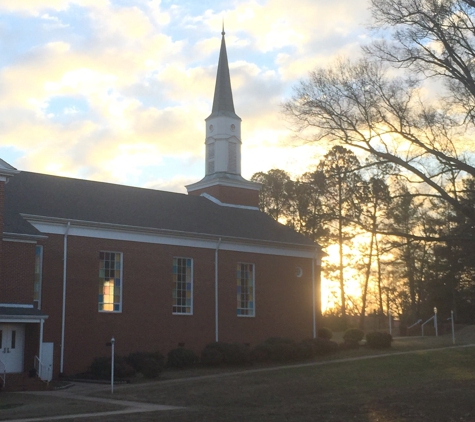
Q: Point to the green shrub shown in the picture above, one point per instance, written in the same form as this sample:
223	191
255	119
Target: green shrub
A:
282	349
150	365
232	353
211	356
101	368
320	346
353	335
306	349
237	354
181	358
261	353
378	340
348	345
324	347
325	333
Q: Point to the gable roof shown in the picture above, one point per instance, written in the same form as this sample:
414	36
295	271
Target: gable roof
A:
97	202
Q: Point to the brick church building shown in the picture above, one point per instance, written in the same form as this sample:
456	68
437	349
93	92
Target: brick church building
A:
82	262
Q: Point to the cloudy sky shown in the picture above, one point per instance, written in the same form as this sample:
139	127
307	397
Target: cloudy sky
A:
118	90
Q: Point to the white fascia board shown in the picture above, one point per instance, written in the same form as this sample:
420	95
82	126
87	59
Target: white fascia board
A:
23	320
143	235
16	305
224	182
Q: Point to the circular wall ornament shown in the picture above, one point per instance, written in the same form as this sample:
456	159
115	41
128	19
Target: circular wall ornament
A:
233	128
298	272
211	128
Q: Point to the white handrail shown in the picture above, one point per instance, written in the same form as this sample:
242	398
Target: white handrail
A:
416	323
3	370
42	370
422	326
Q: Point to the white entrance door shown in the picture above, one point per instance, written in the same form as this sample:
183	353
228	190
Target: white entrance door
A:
12	346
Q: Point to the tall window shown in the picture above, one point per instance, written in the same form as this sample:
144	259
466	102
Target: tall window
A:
38	276
182	286
245	289
110	282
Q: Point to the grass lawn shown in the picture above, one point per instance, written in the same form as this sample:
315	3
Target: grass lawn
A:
423	386
427	386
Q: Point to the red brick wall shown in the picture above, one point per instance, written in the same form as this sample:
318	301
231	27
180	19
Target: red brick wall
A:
18	273
283	301
231	195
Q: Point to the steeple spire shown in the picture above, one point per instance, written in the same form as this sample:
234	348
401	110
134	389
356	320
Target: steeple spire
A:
223	96
223	181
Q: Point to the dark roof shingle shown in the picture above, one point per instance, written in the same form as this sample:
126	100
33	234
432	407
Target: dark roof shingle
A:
76	199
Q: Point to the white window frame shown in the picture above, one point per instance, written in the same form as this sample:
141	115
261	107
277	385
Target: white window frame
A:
99	303
248	312
191	281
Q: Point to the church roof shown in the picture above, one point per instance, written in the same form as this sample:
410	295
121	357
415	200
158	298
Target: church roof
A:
105	203
223	96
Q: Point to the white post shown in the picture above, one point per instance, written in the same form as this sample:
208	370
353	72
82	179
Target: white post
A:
314	320
63	312
453	326
112	365
435	322
40	350
216	300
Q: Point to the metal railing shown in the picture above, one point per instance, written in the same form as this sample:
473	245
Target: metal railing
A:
42	371
3	373
434	318
416	323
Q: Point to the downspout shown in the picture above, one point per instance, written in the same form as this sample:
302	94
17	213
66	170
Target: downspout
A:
40	350
316	288
63	316
216	319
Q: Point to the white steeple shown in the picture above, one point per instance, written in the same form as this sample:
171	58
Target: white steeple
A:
223	126
223	178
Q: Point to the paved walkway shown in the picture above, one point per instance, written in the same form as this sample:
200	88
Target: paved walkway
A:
81	391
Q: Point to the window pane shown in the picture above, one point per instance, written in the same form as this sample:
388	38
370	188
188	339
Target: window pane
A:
245	289
182	279
110	282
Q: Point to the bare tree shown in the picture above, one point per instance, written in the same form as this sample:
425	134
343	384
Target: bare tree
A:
433	38
359	106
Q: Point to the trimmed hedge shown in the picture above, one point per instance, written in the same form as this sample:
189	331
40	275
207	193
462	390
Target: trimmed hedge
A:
323	347
181	358
351	338
228	353
353	335
277	349
282	349
325	333
378	340
101	368
150	365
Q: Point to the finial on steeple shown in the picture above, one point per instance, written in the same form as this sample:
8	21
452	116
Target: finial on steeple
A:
222	32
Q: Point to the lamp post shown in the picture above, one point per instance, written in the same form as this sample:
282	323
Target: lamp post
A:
112	364
435	322
453	326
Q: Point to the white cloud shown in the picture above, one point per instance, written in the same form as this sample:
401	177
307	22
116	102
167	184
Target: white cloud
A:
145	73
